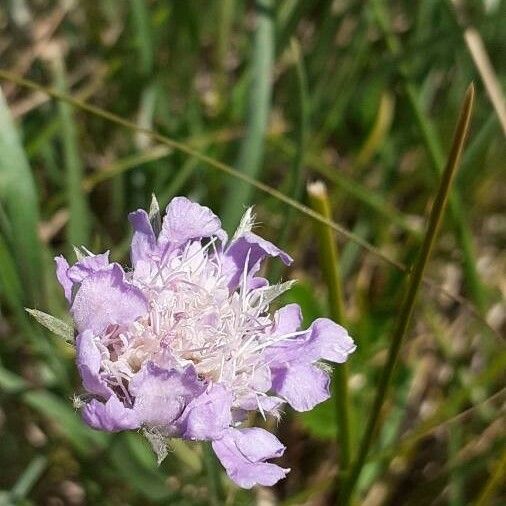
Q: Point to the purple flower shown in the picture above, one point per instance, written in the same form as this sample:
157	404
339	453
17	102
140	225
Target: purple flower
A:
184	345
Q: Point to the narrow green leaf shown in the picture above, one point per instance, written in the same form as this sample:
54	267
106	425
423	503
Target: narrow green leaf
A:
252	147
143	35
78	228
19	196
435	151
297	167
55	325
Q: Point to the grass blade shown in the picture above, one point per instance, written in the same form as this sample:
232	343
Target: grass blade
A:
78	226
226	169
252	147
28	479
494	481
144	39
412	290
19	196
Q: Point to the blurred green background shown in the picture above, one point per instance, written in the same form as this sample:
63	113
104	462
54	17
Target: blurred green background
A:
361	94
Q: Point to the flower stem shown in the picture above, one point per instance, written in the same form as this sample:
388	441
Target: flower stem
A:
213	475
414	284
319	200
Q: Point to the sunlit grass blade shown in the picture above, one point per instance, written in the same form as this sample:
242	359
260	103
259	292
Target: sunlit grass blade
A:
481	59
20	201
329	261
379	130
78	228
251	151
226	169
412	289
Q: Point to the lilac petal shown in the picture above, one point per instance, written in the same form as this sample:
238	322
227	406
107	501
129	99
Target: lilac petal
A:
89	361
144	239
161	395
329	341
112	416
323	340
243	453
105	298
87	266
187	220
287	320
62	267
245	254
208	415
303	386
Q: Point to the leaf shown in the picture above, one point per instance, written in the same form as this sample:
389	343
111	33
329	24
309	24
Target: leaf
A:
19	196
55	325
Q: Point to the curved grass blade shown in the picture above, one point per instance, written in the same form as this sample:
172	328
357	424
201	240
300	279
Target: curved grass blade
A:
226	169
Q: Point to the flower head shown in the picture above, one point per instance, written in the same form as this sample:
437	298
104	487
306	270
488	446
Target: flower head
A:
183	345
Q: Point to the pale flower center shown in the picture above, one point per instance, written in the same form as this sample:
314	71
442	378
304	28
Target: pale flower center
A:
194	319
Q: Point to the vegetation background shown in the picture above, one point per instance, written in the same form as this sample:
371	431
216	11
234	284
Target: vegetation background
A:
363	95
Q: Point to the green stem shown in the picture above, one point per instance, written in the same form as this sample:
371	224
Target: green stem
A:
414	284
213	475
330	265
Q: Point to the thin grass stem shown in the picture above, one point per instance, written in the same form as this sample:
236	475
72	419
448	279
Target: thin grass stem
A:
412	290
